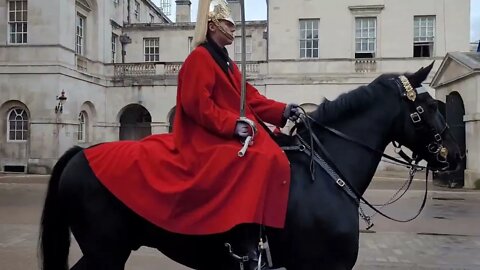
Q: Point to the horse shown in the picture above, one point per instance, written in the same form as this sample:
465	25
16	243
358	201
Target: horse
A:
321	230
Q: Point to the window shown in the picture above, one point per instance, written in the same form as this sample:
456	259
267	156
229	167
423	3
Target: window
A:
365	37
152	49
80	35
17	21
114	47
424	36
17	126
152	18
238	48
82	132
137	10
190	44
309	38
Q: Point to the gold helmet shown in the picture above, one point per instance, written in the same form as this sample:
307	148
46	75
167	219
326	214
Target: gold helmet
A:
210	11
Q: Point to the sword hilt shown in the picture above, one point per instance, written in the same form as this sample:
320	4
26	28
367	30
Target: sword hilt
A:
249	140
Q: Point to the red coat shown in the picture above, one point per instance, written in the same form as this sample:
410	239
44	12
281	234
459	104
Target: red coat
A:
192	181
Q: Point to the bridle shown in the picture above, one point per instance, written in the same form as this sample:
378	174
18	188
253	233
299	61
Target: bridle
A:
423	126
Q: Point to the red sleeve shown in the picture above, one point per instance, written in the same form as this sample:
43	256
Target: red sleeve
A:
268	110
198	80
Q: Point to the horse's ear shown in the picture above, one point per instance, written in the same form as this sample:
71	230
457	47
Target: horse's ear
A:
421	75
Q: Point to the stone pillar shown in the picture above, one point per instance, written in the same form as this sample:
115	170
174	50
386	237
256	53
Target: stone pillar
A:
472	172
235	7
183	11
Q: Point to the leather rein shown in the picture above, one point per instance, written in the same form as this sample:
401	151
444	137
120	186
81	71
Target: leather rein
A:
421	124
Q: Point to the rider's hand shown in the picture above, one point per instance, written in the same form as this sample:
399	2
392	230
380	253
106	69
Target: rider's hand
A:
242	130
292	112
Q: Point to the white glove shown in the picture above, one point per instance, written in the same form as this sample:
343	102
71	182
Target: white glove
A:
292	112
242	130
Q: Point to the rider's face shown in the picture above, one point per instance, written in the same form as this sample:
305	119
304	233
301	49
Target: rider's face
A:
222	39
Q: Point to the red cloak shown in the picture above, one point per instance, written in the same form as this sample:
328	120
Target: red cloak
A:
192	181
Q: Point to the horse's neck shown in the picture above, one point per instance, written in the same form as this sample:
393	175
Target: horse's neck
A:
357	164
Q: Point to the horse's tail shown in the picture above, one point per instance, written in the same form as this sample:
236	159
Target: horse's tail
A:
54	230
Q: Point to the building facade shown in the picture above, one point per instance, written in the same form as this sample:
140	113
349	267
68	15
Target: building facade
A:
87	71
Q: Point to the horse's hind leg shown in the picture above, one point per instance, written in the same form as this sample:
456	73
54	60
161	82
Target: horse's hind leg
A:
109	261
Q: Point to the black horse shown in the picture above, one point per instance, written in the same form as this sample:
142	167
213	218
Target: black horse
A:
322	225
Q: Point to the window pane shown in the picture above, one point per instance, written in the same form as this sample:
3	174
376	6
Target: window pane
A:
315	53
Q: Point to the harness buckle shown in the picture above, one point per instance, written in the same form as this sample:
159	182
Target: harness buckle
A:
438	138
420	109
340	182
416	118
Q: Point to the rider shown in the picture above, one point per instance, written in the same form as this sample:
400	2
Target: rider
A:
253	188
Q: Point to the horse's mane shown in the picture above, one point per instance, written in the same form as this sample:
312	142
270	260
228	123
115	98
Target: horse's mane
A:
355	101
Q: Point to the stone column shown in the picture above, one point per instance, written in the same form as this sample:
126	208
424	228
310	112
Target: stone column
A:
472	172
235	7
183	11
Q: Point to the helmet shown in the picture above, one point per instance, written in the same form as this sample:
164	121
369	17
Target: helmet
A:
210	11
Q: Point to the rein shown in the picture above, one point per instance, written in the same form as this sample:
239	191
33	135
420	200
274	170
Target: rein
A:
435	148
341	181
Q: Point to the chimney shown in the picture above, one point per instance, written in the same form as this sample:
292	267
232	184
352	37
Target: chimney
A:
183	11
235	7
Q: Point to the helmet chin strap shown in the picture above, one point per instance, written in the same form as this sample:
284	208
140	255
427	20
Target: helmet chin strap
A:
222	29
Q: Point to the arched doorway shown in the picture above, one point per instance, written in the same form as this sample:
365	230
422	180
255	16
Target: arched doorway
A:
135	123
454	111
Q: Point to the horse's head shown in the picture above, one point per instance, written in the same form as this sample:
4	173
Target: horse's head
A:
421	126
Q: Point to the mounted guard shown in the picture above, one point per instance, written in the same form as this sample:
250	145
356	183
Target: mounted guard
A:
193	181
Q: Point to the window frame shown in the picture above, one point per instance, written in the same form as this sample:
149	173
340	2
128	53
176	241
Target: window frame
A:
147	57
366	40
190	44
80	44
114	47
424	41
137	10
305	39
238	48
22	23
82	127
24	132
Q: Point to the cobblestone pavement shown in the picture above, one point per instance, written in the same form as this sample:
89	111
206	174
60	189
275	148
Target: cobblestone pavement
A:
445	236
413	251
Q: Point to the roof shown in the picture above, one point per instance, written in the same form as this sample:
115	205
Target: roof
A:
468	59
456	66
158	10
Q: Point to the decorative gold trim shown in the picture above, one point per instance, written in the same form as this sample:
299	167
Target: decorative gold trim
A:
411	94
444	152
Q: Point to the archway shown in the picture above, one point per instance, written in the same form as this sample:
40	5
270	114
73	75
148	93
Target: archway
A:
454	111
135	123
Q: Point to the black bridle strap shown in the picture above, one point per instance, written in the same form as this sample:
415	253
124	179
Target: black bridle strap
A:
346	186
408	161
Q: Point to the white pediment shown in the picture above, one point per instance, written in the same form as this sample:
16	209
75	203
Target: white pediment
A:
450	71
84	4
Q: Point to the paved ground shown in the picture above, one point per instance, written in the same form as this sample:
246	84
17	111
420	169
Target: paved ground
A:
445	236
